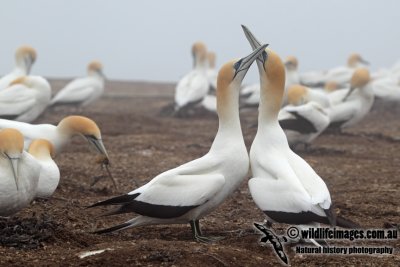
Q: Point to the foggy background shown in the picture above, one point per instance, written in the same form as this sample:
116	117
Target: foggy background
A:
151	40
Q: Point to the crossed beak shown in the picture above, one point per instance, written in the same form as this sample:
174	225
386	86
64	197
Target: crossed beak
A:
254	44
245	63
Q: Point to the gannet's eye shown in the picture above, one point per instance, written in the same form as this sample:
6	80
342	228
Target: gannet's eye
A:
237	65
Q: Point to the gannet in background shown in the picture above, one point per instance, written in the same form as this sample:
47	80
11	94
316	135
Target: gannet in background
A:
299	95
209	102
387	88
283	186
349	106
251	95
19	173
83	91
25	99
25	56
212	73
192	88
191	191
305	118
292	73
341	75
43	152
330	86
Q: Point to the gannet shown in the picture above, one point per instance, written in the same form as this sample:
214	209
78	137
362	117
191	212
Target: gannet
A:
387	88
299	95
191	191
25	56
83	91
349	106
192	88
283	186
25	99
19	173
43	152
341	75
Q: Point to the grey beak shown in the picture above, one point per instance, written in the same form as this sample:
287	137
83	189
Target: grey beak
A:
348	94
254	43
100	72
14	167
363	61
245	63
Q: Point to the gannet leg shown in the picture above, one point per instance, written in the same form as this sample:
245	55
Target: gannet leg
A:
197	235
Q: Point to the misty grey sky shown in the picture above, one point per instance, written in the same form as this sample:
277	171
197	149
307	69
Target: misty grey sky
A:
151	40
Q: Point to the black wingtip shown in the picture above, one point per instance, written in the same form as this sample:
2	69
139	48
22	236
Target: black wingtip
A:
119	200
112	229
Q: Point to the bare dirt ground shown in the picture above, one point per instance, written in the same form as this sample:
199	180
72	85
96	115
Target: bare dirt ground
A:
360	167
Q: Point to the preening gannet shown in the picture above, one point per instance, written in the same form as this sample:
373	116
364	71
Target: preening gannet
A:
283	186
25	56
349	106
19	173
43	152
83	91
25	99
189	192
192	88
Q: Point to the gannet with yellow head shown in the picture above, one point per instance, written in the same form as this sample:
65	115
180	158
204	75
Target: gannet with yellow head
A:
193	87
284	186
349	106
43	151
59	136
189	192
83	91
25	57
25	99
19	173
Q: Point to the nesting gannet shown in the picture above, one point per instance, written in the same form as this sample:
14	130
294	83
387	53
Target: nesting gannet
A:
299	95
283	186
25	99
25	56
192	88
19	173
387	88
191	191
349	106
43	151
212	73
83	91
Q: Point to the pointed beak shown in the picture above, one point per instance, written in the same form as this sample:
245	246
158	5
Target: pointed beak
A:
254	43
245	63
14	167
100	72
98	145
348	94
363	61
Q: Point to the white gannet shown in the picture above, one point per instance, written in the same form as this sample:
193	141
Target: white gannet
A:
209	102
25	56
341	75
19	173
192	88
299	95
349	106
283	186
83	91
292	73
43	151
250	95
212	73
387	88
305	118
25	99
191	191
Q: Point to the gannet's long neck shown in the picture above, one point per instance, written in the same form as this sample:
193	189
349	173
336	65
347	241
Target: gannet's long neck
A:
229	121
21	66
271	95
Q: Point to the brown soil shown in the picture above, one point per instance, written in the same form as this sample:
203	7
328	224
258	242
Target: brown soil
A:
360	167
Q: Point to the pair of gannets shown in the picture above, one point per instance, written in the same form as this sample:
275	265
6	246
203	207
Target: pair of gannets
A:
192	88
351	105
83	91
25	57
25	99
189	192
25	175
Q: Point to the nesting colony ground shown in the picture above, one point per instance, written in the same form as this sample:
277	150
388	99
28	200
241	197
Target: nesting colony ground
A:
360	167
